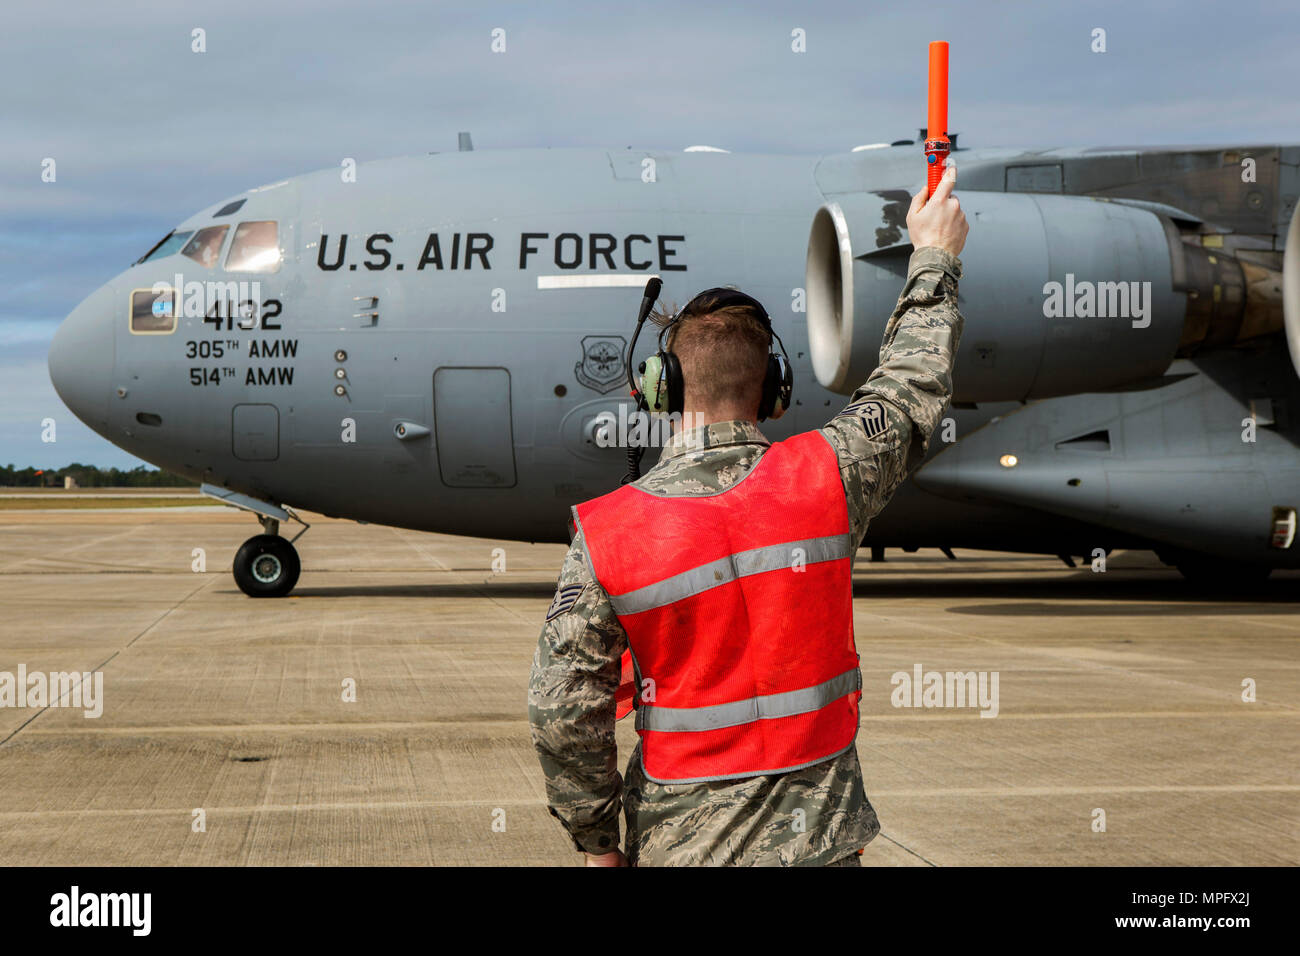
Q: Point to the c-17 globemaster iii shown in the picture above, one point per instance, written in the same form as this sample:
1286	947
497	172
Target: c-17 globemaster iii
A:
437	342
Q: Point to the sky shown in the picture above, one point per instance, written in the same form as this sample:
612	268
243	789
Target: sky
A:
144	130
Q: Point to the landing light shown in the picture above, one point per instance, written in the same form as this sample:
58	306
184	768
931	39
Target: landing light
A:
1284	527
1008	461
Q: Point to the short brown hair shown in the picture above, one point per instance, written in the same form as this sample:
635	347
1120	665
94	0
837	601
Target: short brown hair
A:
723	352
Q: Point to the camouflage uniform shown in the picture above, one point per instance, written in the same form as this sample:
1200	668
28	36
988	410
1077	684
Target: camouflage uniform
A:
814	816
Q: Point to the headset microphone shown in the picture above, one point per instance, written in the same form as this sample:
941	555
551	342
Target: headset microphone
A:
648	300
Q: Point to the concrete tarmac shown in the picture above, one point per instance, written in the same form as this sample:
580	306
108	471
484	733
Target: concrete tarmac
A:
1120	700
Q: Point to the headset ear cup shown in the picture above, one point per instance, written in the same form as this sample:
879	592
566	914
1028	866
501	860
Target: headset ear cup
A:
786	388
676	385
652	389
778	385
771	385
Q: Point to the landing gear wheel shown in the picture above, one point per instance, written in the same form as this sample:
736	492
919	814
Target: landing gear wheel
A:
267	565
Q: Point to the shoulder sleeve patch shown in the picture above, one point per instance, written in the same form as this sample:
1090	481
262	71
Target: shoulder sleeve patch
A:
565	597
873	417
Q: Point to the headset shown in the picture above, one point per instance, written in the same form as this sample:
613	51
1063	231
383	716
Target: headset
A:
661	380
661	385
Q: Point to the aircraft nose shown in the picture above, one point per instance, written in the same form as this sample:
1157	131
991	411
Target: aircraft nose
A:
81	357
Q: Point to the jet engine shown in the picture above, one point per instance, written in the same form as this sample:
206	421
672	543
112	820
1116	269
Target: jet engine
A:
1061	294
1291	288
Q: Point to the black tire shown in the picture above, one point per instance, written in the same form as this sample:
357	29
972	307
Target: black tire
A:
267	566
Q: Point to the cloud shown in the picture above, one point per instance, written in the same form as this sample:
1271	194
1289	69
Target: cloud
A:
144	131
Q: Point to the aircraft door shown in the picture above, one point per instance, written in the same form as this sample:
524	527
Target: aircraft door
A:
255	432
471	413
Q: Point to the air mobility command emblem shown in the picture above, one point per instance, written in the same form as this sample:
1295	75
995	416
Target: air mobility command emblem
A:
601	367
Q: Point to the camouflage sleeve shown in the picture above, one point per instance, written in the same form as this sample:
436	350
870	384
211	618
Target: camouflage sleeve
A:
884	431
571	705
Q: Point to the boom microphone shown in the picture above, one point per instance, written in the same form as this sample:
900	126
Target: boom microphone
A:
651	296
648	300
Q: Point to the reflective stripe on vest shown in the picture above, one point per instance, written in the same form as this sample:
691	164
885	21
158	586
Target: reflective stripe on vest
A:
773	557
769	707
738	608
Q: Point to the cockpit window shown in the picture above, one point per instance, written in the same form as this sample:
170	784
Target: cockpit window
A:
153	312
255	248
205	247
169	245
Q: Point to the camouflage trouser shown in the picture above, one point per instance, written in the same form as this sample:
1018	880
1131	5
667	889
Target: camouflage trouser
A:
851	860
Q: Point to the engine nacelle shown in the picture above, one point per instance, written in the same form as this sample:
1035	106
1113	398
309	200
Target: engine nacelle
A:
1061	294
1291	288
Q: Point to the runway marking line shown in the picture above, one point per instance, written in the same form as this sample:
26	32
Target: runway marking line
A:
13	733
415	725
1082	663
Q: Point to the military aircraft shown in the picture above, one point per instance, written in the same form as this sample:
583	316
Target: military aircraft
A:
437	342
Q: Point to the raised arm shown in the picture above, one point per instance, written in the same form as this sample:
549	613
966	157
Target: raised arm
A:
884	431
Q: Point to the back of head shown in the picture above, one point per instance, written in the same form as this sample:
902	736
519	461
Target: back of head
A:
723	353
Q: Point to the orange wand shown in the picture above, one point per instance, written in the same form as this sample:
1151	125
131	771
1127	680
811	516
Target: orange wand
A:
936	135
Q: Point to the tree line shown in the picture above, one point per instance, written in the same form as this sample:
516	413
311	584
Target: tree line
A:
92	476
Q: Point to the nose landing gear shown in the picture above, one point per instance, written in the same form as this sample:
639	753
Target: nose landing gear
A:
266	565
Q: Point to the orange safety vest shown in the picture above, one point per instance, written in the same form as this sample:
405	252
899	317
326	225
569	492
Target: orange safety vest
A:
738	607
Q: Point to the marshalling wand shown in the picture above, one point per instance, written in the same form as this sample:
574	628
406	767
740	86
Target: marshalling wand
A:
936	134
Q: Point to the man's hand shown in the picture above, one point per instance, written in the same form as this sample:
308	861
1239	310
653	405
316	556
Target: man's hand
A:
615	858
940	221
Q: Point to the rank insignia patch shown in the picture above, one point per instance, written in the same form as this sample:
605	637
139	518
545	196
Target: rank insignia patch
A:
873	416
565	598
